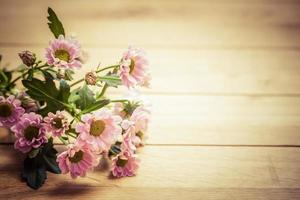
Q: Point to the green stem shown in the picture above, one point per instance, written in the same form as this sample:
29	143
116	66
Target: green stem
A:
103	91
98	71
73	136
63	141
19	77
119	100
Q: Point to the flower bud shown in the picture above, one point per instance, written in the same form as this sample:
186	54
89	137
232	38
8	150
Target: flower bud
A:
29	104
91	78
28	58
61	74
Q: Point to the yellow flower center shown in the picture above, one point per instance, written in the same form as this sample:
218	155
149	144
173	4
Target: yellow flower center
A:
121	162
5	109
132	65
62	54
57	123
97	127
78	156
140	134
31	132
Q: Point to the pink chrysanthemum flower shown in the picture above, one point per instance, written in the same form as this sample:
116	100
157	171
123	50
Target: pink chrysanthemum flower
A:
57	123
118	109
137	125
133	68
140	117
10	111
64	52
77	159
29	132
125	164
100	129
128	141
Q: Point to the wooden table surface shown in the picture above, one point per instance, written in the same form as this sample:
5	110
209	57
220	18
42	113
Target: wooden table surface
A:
225	94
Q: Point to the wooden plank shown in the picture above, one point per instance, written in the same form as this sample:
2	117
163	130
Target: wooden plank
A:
119	23
201	71
212	172
224	120
200	11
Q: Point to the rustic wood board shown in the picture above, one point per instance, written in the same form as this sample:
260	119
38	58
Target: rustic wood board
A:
145	23
191	172
201	71
225	95
222	120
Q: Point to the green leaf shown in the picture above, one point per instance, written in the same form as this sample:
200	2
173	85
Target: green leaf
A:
54	24
86	97
96	106
41	91
30	74
33	153
74	96
5	81
69	74
5	77
129	107
45	91
64	137
64	91
114	150
34	170
47	74
111	80
49	156
51	165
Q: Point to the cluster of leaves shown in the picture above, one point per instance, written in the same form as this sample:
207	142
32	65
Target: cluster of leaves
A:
129	107
5	81
37	163
43	84
54	98
54	94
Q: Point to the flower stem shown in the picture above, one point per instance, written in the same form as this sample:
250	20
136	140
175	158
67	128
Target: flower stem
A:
103	91
98	71
70	134
63	141
119	100
19	77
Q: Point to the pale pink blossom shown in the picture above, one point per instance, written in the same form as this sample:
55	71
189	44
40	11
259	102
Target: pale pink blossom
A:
134	68
78	159
64	52
10	111
100	129
136	126
57	124
29	132
141	118
128	141
118	109
125	164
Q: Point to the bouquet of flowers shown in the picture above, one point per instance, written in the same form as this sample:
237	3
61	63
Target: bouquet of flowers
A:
78	113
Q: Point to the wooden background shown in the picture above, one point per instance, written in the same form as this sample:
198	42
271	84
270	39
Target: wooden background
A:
225	93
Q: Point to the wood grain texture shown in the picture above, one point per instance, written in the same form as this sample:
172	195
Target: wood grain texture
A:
225	93
223	120
212	172
201	71
144	23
